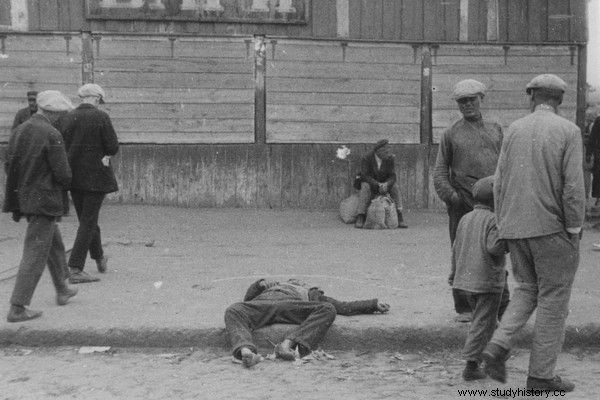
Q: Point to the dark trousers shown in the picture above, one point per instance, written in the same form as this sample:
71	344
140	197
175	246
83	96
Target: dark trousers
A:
485	308
312	317
366	194
87	205
43	245
455	213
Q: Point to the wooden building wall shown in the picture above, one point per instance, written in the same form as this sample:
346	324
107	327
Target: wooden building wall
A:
402	20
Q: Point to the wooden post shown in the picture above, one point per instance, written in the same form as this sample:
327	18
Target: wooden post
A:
260	90
426	96
87	58
581	86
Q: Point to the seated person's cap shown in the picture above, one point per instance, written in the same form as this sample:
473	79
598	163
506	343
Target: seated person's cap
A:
546	81
483	190
380	144
53	100
32	93
91	90
468	88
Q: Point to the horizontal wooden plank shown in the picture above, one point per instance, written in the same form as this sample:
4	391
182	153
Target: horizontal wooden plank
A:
175	80
494	100
498	50
445	118
493	60
512	68
499	82
179	64
189	125
349	99
341	132
381	53
342	85
300	113
324	52
51	60
144	95
181	110
311	69
172	138
43	74
42	44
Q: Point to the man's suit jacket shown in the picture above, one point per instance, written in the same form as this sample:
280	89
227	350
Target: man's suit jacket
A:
373	175
89	136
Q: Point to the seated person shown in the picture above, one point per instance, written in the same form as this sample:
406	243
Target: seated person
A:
270	302
378	177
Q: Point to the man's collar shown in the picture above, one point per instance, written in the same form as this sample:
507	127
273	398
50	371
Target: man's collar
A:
544	107
482	206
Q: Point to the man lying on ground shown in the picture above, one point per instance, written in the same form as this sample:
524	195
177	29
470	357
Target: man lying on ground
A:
270	302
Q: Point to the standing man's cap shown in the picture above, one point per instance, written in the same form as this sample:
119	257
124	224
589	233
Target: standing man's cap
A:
91	90
53	100
32	93
468	88
380	144
546	81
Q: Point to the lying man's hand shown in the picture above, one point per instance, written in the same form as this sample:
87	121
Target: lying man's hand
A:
268	283
383	307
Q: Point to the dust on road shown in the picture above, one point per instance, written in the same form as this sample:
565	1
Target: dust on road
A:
63	373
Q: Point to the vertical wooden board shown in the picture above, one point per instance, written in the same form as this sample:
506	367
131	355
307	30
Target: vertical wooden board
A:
355	17
372	18
48	15
558	20
77	15
503	20
5	18
477	21
392	20
451	20
245	191
33	10
433	20
205	171
275	175
288	192
538	20
170	164
517	15
261	154
412	20
579	21
324	18
305	178
63	16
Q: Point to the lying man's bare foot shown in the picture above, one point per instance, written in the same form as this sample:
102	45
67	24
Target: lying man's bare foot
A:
284	350
250	358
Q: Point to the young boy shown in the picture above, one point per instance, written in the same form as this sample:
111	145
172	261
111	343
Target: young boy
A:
478	270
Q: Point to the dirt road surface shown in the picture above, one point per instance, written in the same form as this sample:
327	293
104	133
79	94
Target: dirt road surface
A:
64	373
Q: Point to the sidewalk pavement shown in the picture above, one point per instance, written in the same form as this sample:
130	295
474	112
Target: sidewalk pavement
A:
172	273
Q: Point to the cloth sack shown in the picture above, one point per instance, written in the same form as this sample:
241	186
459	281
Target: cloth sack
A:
348	209
381	214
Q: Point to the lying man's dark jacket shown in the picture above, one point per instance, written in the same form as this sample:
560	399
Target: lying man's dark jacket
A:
281	293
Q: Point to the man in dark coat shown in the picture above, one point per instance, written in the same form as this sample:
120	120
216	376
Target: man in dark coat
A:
90	141
25	113
269	302
378	177
37	176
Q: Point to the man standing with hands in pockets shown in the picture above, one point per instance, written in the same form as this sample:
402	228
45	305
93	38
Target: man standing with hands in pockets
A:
90	140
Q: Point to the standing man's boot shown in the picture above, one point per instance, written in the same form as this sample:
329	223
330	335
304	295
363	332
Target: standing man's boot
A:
360	221
401	223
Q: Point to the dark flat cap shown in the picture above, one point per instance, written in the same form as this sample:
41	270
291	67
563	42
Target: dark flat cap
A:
380	144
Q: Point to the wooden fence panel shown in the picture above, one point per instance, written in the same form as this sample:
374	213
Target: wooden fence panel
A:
177	91
325	92
505	76
36	63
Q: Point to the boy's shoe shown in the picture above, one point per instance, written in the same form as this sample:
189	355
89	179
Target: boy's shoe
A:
401	223
464	317
102	264
495	357
78	276
21	313
473	371
555	384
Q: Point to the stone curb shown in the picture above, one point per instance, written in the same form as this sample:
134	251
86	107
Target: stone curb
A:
429	338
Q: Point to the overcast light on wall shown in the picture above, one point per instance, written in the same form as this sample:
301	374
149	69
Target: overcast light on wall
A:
593	65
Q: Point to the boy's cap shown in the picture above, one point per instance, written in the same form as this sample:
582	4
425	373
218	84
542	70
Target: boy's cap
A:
380	144
483	190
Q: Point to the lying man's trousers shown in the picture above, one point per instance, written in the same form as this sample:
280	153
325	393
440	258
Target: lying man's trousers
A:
312	317
365	195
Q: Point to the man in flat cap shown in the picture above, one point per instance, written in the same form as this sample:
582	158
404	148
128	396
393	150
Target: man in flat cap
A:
378	177
468	151
38	174
25	113
540	208
90	141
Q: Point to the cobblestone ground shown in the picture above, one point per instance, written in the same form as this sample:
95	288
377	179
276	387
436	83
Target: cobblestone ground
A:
64	373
